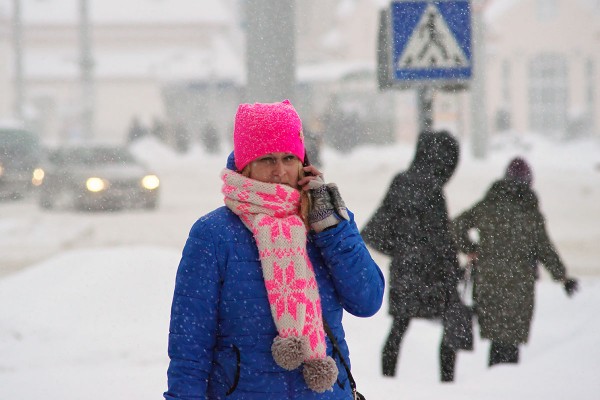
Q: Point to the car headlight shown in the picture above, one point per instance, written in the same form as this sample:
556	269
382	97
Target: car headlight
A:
150	182
96	184
37	176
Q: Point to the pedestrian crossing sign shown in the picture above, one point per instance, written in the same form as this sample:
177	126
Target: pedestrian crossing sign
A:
430	42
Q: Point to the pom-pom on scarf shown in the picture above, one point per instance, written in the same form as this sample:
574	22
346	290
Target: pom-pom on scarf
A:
271	212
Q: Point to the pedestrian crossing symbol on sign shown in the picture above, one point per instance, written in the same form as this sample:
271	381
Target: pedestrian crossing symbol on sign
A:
432	45
431	40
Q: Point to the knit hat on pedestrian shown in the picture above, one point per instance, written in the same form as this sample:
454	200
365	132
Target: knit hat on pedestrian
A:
263	128
518	170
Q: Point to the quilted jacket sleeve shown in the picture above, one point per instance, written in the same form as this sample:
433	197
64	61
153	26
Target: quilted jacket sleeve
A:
193	326
357	279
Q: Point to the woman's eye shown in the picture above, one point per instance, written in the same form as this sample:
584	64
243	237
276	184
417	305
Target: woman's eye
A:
267	160
289	158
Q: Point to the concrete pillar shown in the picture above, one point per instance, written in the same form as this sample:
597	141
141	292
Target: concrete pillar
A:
17	34
270	50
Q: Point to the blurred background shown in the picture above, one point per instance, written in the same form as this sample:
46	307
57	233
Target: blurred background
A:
85	69
87	266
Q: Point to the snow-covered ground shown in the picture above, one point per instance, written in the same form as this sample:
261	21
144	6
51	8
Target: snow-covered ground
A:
86	297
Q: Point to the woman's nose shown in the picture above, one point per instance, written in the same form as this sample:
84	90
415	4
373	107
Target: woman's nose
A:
279	169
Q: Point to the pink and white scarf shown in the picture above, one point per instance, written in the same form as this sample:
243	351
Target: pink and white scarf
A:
271	212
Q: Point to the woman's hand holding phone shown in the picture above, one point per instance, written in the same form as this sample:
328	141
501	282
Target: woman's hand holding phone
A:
312	179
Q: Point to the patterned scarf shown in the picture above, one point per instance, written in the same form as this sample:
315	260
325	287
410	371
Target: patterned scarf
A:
271	212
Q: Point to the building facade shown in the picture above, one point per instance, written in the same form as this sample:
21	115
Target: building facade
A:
139	50
541	64
543	67
183	62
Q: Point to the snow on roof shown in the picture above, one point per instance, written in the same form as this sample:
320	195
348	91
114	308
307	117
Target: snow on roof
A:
331	71
164	64
496	8
345	8
9	123
117	11
381	3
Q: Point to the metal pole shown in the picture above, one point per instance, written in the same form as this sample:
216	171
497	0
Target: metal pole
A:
479	134
425	101
19	89
86	65
270	50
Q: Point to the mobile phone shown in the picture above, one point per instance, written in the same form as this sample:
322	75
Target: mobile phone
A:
306	163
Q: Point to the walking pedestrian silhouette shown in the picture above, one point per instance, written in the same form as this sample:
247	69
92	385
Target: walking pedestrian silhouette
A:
435	38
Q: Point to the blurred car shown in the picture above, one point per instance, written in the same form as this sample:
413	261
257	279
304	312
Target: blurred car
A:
97	178
19	160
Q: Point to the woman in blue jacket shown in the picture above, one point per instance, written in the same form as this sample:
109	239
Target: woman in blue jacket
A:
261	276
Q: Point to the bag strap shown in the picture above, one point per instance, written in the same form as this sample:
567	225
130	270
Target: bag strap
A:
336	349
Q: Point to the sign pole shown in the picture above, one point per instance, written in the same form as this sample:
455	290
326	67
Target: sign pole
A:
426	45
479	134
425	101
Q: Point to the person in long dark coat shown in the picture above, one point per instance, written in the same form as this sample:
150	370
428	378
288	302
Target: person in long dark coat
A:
412	227
512	242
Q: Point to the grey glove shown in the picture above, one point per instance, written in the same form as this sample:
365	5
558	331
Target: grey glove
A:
328	208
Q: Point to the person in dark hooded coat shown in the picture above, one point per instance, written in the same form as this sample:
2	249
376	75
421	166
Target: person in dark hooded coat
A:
512	242
412	227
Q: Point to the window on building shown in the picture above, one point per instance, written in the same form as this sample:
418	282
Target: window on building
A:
546	9
548	94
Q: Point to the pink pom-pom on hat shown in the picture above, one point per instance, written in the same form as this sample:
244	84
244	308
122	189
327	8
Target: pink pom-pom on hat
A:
263	128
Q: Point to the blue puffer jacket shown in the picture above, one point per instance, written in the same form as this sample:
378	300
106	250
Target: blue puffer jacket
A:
221	325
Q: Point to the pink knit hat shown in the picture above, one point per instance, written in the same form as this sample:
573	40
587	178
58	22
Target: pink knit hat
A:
263	128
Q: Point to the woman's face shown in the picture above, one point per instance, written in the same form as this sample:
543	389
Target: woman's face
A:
276	168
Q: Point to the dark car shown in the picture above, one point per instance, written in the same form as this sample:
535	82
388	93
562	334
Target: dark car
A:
19	161
97	178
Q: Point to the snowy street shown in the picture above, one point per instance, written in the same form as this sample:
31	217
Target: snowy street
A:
86	296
